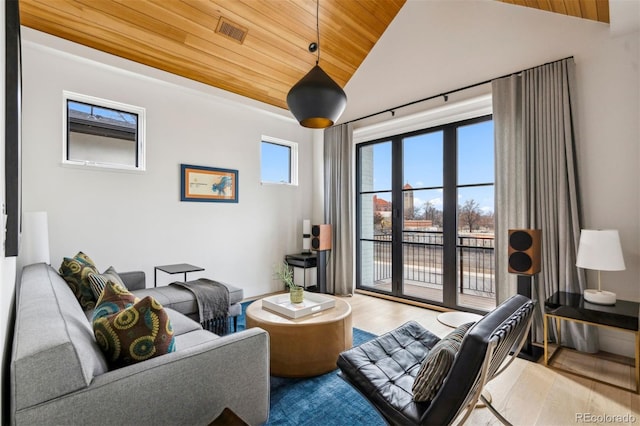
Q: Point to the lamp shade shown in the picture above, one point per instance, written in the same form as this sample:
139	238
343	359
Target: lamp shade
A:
316	101
600	250
34	244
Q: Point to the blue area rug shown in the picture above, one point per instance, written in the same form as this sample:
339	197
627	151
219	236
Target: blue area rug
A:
325	400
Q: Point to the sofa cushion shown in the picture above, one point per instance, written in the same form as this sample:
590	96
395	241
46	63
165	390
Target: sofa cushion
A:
174	297
181	324
98	281
113	299
75	272
134	334
236	294
437	364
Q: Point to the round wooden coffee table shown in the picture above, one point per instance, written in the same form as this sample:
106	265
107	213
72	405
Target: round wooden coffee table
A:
306	346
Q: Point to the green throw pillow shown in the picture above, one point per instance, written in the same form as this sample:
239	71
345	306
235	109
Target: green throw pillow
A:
437	363
98	281
140	332
112	300
75	272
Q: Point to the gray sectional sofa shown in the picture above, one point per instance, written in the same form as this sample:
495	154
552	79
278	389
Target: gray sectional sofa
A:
58	374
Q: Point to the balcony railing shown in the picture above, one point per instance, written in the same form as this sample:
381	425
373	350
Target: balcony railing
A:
422	255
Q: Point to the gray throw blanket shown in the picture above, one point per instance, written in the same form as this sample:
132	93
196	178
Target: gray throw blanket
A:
213	303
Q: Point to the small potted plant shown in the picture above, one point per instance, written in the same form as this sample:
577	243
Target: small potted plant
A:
285	274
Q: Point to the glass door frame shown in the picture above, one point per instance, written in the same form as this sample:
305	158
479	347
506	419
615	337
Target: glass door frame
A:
449	220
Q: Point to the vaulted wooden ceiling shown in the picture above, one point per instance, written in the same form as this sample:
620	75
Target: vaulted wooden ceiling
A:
596	10
254	48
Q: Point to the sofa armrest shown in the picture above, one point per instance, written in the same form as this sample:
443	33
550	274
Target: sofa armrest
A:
133	280
190	386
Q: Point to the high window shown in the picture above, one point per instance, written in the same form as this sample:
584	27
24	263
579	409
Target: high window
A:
425	214
278	161
102	133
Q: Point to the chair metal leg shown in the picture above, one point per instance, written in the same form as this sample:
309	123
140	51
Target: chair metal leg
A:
494	411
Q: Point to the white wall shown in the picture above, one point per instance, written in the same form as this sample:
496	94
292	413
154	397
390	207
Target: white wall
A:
136	220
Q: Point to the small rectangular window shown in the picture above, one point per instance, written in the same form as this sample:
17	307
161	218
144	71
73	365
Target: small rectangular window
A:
102	133
278	161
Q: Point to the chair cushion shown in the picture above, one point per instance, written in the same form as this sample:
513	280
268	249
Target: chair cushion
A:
75	272
137	333
437	364
384	369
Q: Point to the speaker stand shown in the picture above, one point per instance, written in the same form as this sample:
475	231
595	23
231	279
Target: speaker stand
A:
321	268
529	351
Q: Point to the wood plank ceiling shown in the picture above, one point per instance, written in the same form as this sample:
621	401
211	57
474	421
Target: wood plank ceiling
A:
595	10
180	37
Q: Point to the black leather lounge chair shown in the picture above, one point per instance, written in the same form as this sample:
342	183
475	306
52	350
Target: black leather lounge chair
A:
383	370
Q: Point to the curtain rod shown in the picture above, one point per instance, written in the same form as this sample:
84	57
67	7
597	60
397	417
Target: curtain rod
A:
445	95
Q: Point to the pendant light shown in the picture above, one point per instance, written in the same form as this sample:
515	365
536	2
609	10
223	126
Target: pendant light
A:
316	101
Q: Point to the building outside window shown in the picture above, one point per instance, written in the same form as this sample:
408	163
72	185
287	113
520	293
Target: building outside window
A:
103	133
425	215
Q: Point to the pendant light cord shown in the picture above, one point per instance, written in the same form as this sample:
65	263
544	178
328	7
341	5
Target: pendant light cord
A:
318	28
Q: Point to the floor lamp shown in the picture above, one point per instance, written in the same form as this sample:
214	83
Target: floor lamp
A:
34	242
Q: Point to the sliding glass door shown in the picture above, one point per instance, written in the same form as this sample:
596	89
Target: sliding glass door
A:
425	215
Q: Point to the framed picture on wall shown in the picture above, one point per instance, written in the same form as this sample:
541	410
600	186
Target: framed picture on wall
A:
208	184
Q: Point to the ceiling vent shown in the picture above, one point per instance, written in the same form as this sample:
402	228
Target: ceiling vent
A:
231	30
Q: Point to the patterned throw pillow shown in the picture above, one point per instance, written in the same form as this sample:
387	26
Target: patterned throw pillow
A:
112	300
75	272
437	363
137	333
98	281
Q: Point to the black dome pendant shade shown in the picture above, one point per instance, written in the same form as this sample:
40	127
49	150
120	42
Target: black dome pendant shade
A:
316	101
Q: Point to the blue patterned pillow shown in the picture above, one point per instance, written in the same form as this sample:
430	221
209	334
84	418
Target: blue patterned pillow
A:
75	272
113	299
437	364
139	332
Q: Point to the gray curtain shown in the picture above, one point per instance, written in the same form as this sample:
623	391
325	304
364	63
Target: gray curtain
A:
537	186
338	207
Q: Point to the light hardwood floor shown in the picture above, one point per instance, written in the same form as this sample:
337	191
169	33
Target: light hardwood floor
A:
527	393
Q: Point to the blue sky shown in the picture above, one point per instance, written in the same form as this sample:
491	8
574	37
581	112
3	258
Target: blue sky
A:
423	165
274	165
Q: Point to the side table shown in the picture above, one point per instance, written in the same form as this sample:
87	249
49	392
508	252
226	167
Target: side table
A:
623	316
177	268
304	261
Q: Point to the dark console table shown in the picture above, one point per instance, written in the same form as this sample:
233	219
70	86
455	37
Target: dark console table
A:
623	316
177	268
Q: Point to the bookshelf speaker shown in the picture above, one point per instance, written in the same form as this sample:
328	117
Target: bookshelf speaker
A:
321	237
524	251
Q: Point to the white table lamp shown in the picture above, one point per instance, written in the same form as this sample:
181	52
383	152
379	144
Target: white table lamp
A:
600	250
